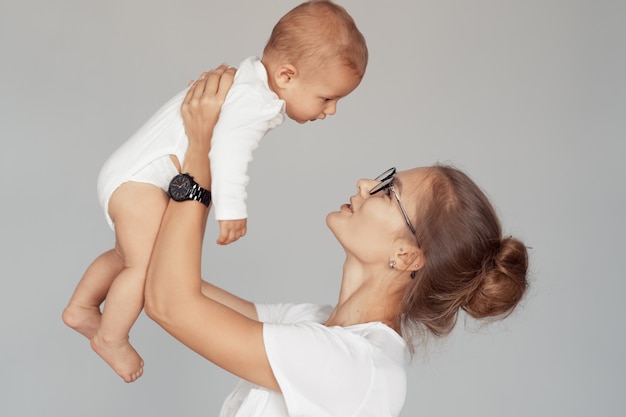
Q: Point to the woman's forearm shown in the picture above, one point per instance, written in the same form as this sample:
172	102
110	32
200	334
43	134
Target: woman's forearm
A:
175	268
174	274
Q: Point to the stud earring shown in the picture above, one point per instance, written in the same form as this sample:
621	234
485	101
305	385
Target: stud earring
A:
392	264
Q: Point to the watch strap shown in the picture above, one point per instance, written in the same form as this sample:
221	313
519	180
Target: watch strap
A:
200	194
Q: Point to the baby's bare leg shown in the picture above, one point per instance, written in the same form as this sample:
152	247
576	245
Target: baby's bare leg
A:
137	210
83	310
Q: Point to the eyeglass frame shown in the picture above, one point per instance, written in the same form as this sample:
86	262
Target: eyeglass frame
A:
386	182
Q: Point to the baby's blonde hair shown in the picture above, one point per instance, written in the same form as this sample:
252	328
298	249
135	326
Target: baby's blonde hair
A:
317	32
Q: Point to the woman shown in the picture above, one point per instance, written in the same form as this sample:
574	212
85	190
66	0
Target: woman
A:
420	245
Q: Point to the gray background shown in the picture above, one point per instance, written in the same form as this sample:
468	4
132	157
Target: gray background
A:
527	96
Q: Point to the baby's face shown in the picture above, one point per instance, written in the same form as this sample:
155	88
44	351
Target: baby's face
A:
315	95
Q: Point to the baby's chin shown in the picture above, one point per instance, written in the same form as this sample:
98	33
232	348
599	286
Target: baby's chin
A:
300	121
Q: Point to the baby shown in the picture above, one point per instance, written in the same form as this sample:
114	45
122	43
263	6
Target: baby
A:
315	56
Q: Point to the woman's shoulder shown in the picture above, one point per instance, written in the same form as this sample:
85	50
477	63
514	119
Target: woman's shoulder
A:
289	313
310	318
380	335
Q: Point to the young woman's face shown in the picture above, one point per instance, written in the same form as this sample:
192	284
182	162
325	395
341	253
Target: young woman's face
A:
370	224
314	96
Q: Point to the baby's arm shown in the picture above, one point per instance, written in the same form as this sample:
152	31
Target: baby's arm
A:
249	112
235	137
231	230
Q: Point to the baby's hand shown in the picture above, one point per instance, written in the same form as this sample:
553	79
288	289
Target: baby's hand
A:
231	230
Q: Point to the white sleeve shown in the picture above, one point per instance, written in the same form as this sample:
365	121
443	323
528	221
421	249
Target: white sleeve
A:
322	371
246	116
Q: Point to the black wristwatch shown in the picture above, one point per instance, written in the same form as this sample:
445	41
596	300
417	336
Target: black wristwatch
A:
183	187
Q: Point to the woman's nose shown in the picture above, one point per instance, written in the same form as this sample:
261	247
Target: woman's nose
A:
363	187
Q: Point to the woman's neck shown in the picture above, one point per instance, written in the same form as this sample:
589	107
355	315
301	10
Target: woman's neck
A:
368	295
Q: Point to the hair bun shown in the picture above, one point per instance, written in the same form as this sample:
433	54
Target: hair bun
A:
503	284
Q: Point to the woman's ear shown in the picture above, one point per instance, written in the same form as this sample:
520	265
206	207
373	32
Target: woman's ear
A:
410	258
284	75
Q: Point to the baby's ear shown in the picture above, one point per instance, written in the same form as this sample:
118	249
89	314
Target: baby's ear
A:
285	74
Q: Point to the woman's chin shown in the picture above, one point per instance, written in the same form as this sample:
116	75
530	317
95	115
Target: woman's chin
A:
331	222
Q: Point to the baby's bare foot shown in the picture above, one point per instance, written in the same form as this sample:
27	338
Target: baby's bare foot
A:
85	320
120	356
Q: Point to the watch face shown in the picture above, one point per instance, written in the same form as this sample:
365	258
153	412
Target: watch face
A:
179	187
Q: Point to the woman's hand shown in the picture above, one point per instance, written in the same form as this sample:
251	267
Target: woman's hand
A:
202	104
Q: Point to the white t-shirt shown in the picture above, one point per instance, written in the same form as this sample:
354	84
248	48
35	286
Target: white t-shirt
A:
355	371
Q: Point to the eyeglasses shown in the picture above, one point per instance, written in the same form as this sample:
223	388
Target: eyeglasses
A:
386	183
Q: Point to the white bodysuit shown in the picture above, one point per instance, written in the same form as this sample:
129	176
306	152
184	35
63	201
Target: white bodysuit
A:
251	109
356	371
